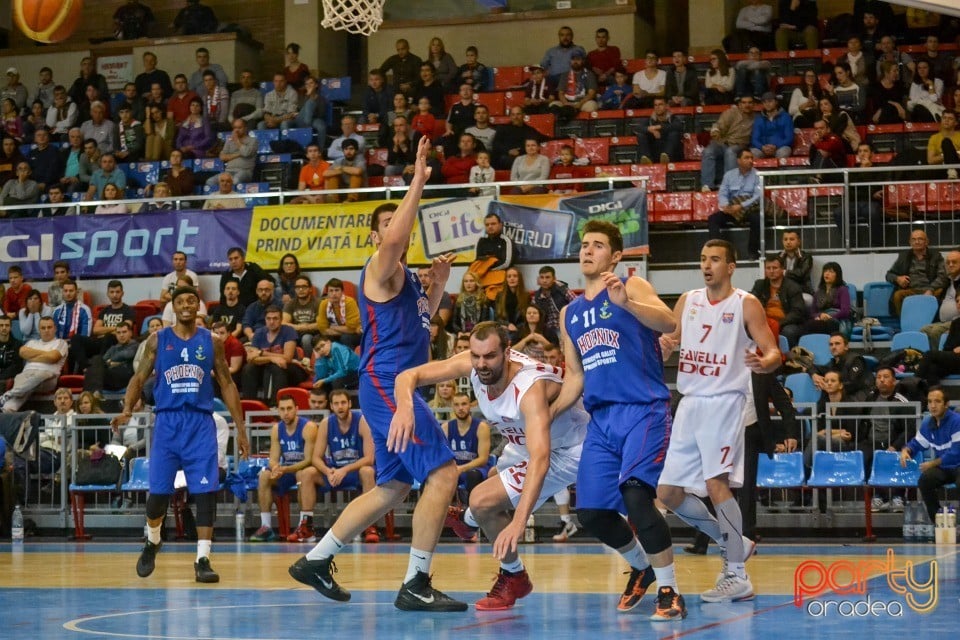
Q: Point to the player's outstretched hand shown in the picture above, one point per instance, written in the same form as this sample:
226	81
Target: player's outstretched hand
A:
440	269
508	539
421	169
753	361
401	430
615	288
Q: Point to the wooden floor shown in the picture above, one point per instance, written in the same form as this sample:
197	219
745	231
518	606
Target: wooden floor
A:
53	590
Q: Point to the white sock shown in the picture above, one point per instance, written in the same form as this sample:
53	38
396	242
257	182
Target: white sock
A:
566	518
203	549
633	553
305	514
731	524
468	518
513	567
419	563
328	546
265	519
153	533
666	577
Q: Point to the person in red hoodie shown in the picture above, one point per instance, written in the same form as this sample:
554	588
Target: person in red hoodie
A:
827	150
456	169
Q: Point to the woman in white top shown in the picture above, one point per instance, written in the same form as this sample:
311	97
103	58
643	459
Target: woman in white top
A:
532	166
803	101
29	316
925	103
719	79
649	83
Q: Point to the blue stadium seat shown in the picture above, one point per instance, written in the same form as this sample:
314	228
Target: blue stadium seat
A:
783	344
887	471
219	405
139	476
876	302
819	345
837	469
910	339
802	387
852	288
303	137
784	471
266	87
917	311
264	138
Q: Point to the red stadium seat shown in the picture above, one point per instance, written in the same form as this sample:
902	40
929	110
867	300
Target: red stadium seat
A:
300	396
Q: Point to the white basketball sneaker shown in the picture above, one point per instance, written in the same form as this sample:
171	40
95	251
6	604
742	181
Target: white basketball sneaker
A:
731	588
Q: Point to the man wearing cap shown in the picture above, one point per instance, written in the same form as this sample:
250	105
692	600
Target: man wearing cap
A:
772	130
185	358
349	172
577	89
556	61
15	89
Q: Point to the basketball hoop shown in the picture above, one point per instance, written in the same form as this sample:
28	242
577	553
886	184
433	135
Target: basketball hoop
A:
362	17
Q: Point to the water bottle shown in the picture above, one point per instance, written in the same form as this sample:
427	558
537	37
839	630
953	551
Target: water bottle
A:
239	525
16	527
909	523
530	533
926	526
951	537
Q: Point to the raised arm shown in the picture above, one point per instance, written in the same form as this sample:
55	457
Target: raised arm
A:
572	387
396	238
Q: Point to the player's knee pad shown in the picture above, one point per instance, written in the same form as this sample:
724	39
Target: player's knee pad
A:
606	525
206	509
157	506
652	529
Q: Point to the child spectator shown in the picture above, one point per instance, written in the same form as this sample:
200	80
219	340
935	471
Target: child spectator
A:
424	122
617	92
482	173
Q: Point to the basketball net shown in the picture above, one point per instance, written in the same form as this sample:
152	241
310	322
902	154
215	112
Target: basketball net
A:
355	16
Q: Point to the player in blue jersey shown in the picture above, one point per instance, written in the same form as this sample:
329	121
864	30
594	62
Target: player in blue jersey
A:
395	313
343	456
292	441
611	343
469	439
185	359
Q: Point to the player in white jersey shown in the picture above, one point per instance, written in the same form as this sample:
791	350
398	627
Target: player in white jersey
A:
718	331
514	393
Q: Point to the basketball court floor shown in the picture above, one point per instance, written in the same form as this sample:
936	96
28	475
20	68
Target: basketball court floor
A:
70	590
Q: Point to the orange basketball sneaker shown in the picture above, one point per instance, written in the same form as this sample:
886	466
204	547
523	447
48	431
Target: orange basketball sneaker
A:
371	535
508	588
